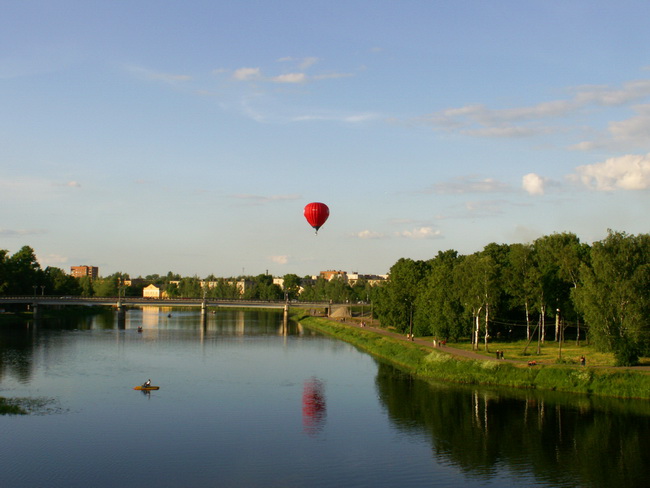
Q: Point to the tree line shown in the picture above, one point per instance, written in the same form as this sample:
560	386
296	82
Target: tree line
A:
21	274
541	291
551	289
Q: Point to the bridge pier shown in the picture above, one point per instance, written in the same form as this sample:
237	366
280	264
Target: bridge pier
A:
204	314
36	311
121	315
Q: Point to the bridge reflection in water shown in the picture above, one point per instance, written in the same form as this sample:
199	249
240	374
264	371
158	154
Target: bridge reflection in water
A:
36	303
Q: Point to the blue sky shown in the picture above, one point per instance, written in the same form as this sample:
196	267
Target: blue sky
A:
156	136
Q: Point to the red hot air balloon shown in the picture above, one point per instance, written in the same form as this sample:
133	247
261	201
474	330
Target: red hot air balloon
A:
316	214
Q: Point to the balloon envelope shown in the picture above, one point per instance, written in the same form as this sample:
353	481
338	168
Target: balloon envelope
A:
316	214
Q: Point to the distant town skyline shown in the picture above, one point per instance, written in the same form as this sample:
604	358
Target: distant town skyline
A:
149	137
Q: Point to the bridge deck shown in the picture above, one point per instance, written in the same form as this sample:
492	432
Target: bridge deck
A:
159	302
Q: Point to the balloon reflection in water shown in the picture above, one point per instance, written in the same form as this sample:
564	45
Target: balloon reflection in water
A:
314	410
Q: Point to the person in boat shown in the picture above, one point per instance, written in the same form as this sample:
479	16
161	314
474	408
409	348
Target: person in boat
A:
146	383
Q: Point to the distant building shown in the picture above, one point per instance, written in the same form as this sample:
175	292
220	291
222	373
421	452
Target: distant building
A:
153	291
242	285
371	279
81	271
330	275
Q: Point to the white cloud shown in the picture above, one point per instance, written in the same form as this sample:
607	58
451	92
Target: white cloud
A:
634	131
421	233
629	172
470	184
281	259
337	117
509	132
603	95
479	120
533	184
290	78
296	77
247	74
369	234
308	62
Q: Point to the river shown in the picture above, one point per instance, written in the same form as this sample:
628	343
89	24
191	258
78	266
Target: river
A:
248	401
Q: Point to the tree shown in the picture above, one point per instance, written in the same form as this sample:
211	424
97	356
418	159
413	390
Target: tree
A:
172	291
60	282
4	272
264	289
25	272
361	290
291	285
615	296
105	287
396	303
338	290
316	291
560	256
549	288
520	279
439	311
478	291
86	285
225	289
190	287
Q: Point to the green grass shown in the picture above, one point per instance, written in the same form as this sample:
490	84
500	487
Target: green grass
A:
435	364
549	352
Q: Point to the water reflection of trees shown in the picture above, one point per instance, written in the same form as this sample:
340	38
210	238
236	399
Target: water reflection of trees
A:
20	340
16	356
560	440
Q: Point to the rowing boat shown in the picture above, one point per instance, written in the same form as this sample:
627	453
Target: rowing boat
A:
147	388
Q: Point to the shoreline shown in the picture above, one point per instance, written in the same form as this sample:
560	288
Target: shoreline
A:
448	364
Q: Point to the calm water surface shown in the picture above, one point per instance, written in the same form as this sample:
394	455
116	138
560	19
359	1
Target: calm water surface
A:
246	401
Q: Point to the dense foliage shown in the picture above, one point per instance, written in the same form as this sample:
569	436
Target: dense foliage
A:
21	274
552	289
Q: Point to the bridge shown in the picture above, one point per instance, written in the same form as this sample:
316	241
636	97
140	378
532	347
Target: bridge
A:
121	302
36	303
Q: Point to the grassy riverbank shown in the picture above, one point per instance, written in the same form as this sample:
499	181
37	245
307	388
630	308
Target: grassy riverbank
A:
435	364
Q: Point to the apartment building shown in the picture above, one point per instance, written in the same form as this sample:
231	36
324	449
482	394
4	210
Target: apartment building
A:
80	271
